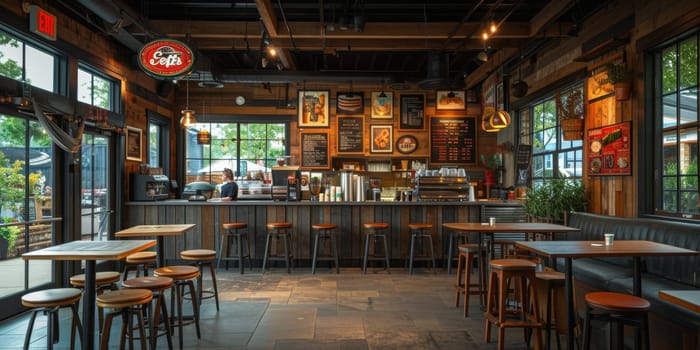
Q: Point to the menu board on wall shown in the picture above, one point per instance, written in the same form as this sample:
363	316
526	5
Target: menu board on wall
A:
453	140
314	150
609	150
351	134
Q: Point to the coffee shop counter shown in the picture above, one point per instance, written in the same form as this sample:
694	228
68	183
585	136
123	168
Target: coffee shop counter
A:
349	216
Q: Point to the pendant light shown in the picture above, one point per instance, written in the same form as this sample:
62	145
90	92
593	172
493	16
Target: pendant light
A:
486	120
187	119
382	94
203	135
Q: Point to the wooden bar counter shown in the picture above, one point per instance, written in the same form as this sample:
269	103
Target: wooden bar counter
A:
349	216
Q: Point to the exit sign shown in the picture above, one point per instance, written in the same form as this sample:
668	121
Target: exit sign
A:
42	22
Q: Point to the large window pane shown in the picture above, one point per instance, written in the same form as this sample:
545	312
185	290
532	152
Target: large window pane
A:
40	69
24	62
668	70
97	90
688	62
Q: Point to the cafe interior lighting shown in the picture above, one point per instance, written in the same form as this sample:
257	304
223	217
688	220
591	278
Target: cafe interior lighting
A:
188	118
203	135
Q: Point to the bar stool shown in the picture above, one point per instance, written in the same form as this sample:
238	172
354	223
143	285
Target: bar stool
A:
323	232
235	236
202	258
127	303
139	262
105	280
620	309
522	272
455	238
550	282
48	302
375	231
279	230
158	286
467	253
183	276
421	233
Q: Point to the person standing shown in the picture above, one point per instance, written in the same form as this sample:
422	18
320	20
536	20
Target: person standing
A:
229	191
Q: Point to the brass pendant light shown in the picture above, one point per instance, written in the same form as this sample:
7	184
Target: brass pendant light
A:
203	135
188	118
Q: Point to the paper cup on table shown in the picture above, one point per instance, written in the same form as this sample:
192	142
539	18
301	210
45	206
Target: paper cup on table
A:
492	221
609	237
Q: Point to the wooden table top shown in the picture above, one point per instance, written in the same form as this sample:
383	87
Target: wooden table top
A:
689	299
154	230
90	250
589	249
530	227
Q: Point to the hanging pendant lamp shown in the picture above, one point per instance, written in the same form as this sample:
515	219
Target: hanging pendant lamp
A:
188	118
486	120
203	135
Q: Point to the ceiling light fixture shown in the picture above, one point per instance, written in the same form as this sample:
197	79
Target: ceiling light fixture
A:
203	135
382	94
188	118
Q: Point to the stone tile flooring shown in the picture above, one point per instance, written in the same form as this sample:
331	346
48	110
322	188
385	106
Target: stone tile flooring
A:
277	311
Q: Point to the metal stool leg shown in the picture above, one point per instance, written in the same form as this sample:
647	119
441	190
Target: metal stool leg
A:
364	259
313	262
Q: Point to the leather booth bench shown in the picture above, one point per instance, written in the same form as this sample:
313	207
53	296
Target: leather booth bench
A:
615	274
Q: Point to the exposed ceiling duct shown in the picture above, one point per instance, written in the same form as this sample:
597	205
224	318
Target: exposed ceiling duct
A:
117	18
438	73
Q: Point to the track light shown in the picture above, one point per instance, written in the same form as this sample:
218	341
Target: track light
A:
482	56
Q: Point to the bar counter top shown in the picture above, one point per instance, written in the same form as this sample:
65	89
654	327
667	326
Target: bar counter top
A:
489	202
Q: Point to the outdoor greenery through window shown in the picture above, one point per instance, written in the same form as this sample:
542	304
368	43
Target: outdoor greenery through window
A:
249	149
676	99
96	90
27	63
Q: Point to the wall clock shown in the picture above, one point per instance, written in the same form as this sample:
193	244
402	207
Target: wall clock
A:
407	144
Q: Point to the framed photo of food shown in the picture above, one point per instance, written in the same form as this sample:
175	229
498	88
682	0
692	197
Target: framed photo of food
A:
382	139
350	103
449	100
313	109
382	105
610	150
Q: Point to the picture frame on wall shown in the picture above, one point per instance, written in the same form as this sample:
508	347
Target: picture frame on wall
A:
313	108
133	143
382	139
450	100
412	111
382	105
350	103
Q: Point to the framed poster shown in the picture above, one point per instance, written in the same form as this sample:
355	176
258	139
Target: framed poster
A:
453	140
407	144
609	150
449	100
351	134
350	103
133	143
314	150
412	111
381	139
382	105
313	108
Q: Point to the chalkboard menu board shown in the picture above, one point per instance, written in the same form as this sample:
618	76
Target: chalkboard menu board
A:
453	140
314	150
350	134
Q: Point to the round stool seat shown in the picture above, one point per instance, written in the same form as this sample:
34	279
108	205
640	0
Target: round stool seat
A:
152	283
101	278
323	226
420	226
198	254
124	298
512	264
235	225
142	257
375	225
618	302
276	225
177	272
52	297
551	276
468	248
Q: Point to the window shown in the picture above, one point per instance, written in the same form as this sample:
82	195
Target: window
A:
676	121
249	149
97	89
158	141
24	62
553	157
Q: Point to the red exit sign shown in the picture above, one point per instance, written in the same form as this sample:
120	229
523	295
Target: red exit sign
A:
42	22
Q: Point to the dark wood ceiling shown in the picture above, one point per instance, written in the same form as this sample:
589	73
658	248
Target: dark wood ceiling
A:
435	43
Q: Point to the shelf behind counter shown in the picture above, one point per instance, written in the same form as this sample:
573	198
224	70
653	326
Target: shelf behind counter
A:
349	216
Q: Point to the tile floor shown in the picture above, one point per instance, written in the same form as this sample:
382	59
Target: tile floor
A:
277	311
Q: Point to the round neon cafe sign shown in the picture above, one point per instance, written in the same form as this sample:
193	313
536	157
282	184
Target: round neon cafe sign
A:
166	58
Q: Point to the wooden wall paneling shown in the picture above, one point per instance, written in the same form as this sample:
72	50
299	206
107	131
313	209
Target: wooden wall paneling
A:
208	228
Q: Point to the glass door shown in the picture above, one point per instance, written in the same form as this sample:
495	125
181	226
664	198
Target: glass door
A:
95	198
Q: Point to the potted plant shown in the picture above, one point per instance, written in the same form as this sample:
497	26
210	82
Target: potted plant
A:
552	200
570	110
620	76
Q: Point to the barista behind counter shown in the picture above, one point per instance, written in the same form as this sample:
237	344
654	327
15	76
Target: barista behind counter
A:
229	190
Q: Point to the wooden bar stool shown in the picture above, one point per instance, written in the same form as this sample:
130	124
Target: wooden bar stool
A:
323	232
183	276
202	258
524	311
48	302
158	286
279	230
618	309
127	303
375	231
421	233
139	262
105	280
467	253
551	283
237	233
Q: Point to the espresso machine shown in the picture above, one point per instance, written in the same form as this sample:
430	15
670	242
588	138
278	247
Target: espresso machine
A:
286	183
149	187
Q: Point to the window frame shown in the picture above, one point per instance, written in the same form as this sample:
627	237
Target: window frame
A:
58	60
114	93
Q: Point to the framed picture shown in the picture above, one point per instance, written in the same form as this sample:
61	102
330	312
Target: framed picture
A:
133	143
598	85
449	100
382	105
610	150
412	111
350	103
313	109
381	139
314	150
407	144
